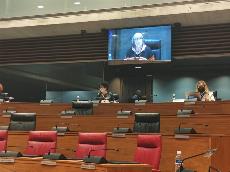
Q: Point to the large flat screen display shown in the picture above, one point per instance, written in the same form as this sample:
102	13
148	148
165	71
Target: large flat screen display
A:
139	45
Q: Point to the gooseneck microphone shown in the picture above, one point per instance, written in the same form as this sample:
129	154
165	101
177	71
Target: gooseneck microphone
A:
207	153
56	156
8	153
213	168
179	127
92	150
97	159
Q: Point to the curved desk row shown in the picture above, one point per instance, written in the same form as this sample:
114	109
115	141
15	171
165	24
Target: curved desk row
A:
38	165
127	145
167	108
202	123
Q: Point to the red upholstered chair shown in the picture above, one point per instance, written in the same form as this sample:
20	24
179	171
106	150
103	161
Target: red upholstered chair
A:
148	150
91	141
41	142
3	140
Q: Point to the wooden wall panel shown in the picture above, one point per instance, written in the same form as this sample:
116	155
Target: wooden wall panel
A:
85	47
194	41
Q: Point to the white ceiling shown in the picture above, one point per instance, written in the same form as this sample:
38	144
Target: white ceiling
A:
186	13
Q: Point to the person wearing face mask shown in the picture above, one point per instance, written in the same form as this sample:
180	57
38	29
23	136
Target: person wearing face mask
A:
1	90
202	92
139	50
103	94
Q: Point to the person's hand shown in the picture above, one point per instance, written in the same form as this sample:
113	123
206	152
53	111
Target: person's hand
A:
135	58
105	101
141	58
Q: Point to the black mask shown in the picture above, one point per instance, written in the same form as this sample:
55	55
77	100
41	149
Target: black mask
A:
201	89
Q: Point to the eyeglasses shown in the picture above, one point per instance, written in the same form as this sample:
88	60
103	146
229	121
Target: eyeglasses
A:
135	39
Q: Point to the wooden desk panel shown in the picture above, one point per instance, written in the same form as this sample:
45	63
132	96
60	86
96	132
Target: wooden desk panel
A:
167	108
34	165
206	124
40	109
127	146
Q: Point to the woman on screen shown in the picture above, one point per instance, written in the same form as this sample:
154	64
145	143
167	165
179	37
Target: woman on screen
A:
139	50
202	92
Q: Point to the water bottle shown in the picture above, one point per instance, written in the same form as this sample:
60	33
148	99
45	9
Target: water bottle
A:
178	160
173	96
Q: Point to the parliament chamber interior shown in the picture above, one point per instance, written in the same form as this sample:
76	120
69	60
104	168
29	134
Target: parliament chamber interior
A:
114	86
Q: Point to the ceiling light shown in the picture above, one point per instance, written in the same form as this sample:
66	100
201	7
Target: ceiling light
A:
77	3
137	67
40	6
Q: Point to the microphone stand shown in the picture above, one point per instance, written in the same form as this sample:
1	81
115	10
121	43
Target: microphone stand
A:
210	167
207	153
96	159
56	156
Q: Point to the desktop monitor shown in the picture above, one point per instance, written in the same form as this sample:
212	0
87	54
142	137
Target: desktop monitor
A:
147	123
83	107
139	45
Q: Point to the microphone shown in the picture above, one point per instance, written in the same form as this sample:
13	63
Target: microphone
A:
124	113
181	130
63	129
207	154
56	156
187	130
179	127
8	111
68	112
92	150
119	129
8	153
97	159
213	168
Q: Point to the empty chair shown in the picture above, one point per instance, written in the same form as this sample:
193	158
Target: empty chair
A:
148	150
3	140
83	107
22	121
147	123
94	144
41	142
155	46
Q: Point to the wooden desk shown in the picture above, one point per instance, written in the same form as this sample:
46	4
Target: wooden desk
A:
202	123
168	108
210	118
34	165
127	145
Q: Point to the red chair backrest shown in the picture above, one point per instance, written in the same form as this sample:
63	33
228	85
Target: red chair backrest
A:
41	142
148	150
91	141
3	139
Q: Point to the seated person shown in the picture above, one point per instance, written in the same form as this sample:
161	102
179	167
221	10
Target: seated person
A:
139	50
202	92
104	95
3	96
137	96
1	89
